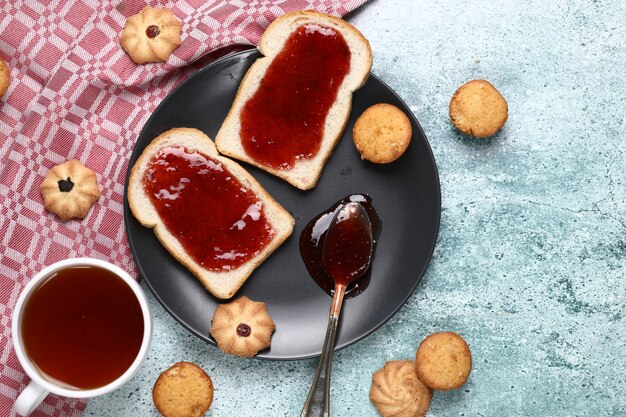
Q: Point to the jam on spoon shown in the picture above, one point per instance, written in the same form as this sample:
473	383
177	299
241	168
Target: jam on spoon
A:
346	255
314	235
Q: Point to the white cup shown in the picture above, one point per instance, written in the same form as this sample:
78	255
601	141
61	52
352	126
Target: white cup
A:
40	386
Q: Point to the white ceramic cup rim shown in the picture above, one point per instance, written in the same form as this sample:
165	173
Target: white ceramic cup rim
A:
27	363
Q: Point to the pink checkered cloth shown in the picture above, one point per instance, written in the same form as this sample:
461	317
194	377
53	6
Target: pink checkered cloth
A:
74	93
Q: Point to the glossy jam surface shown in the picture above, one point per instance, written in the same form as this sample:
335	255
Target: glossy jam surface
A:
314	236
82	327
284	120
219	222
348	248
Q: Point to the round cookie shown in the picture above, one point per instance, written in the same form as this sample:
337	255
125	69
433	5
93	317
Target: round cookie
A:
478	109
69	190
151	35
5	77
242	327
183	390
443	361
397	391
382	133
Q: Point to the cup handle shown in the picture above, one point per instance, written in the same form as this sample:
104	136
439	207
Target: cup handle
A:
29	399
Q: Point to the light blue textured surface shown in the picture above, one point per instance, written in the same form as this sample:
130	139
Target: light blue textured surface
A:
530	265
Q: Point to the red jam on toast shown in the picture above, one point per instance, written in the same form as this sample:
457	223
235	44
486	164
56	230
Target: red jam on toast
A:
284	120
219	222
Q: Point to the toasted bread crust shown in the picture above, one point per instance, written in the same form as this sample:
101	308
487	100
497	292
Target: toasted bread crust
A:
221	284
312	14
306	172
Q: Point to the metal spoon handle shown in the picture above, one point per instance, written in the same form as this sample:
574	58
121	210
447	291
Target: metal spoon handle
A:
318	401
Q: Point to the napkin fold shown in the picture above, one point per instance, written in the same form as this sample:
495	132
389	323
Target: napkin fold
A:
75	93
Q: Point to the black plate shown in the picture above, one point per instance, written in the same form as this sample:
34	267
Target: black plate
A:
406	194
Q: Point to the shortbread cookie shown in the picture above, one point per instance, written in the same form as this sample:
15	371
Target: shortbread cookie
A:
69	190
443	361
5	77
184	390
242	327
382	133
397	391
151	35
478	109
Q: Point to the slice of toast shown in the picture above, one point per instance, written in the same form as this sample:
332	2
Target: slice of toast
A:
305	172
221	283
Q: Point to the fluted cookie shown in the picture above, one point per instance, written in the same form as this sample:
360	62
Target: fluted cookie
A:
478	109
443	361
69	190
5	77
151	35
382	133
397	391
183	390
242	327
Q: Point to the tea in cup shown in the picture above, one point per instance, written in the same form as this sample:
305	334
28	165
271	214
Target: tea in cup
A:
81	328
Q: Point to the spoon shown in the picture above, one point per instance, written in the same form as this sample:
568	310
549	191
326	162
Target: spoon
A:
346	256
